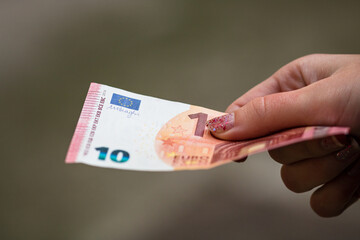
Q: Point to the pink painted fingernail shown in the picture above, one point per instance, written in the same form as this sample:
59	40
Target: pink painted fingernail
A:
346	153
349	151
221	124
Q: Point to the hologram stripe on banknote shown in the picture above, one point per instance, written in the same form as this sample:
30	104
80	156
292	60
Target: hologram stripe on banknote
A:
86	115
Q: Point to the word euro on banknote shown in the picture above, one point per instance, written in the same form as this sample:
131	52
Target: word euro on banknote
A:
125	130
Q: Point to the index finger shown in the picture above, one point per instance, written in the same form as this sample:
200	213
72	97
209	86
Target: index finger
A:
296	74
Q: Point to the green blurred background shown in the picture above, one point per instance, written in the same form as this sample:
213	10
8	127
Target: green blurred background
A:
205	53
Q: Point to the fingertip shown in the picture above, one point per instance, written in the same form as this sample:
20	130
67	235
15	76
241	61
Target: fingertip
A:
228	126
327	203
290	180
241	160
319	203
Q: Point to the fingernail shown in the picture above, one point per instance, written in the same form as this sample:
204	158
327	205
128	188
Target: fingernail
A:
346	153
221	124
335	142
349	151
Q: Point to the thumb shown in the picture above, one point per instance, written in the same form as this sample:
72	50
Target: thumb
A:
271	113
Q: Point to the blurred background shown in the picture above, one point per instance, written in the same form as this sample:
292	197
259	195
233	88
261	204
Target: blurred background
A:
205	53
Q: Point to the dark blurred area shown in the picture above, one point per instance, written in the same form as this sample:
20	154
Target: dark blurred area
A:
205	53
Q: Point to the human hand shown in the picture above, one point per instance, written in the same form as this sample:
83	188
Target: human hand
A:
315	90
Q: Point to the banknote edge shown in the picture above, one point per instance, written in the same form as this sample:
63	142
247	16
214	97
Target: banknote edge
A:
88	110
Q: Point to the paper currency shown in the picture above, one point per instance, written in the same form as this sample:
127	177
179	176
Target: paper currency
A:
125	130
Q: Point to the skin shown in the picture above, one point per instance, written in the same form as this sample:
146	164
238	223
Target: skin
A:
315	90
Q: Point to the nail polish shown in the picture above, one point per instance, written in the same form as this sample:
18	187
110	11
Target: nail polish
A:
349	151
221	124
346	153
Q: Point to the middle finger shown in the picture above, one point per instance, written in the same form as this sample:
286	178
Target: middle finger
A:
304	175
309	149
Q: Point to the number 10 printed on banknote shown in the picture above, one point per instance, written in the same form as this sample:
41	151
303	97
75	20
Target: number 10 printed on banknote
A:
125	130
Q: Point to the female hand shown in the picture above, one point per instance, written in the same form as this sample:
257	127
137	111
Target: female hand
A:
315	90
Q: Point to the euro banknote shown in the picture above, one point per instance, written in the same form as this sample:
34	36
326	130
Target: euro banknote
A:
124	130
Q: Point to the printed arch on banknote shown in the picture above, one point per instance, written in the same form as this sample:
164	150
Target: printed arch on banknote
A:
184	142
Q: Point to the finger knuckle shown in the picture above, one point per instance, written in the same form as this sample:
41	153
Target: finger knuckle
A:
259	107
308	57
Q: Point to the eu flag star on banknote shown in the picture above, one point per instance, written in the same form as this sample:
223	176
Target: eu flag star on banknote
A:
125	130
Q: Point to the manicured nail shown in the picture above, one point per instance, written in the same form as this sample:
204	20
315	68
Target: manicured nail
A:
349	151
346	153
221	124
335	142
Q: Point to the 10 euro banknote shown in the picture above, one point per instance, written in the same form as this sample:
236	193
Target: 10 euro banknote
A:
125	130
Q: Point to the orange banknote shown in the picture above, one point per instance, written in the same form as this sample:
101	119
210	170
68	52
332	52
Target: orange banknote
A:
124	130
